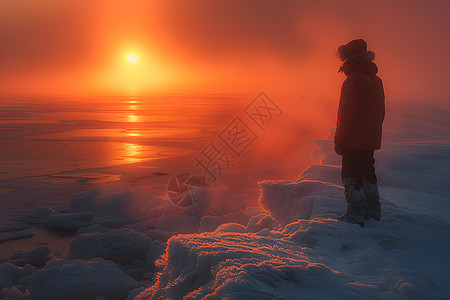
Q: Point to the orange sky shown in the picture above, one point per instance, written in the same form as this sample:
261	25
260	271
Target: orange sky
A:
281	46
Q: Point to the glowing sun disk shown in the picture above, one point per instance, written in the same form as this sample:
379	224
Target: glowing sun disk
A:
132	58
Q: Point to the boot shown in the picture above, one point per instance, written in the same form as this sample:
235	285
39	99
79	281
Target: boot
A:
346	217
355	202
373	206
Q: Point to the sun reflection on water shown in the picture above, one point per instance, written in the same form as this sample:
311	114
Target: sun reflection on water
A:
133	153
132	133
133	118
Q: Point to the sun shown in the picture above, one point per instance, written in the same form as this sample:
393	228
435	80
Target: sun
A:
132	58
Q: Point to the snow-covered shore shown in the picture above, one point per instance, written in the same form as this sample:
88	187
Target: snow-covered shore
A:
288	245
311	255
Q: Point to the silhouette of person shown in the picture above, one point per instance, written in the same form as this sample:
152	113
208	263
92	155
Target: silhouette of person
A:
358	132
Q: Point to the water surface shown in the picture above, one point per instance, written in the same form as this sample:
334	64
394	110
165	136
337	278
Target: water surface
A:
51	149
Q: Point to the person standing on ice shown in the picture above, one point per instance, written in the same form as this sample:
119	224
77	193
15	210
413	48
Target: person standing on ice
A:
358	131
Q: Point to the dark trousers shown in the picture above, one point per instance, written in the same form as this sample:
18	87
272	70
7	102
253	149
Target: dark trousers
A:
359	164
360	183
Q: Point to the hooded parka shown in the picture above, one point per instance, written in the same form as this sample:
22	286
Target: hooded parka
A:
361	106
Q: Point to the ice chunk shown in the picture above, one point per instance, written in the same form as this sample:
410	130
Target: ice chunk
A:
287	201
238	217
7	225
210	223
10	274
123	246
323	173
128	205
13	293
230	227
156	250
14	235
44	213
37	257
260	222
40	217
253	210
77	279
92	228
71	221
84	202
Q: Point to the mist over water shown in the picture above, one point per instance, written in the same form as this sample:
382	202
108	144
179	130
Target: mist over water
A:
52	149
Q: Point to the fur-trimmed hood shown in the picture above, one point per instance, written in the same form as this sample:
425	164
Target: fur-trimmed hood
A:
360	57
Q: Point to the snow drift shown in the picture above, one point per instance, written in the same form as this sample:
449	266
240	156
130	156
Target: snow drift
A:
288	245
